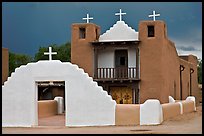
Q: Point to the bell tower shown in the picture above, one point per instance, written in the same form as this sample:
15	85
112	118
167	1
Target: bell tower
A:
153	37
82	52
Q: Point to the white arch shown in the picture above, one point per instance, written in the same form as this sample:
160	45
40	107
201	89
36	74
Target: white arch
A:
87	104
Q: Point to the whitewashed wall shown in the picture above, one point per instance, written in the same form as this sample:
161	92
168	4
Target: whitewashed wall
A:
131	57
119	32
132	61
106	59
151	112
87	104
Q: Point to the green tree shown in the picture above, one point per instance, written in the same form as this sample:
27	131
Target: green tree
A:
63	53
16	60
200	71
12	64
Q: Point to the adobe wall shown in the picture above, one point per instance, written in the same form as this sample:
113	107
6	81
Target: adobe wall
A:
170	110
188	62
58	92
159	64
185	78
195	89
47	108
188	106
127	114
170	71
82	52
87	104
5	64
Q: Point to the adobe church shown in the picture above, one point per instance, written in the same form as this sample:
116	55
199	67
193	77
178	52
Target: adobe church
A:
134	66
131	66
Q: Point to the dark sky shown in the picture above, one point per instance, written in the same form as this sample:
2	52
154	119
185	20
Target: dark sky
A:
28	25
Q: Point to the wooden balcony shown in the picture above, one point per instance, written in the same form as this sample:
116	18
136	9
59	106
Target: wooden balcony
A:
126	73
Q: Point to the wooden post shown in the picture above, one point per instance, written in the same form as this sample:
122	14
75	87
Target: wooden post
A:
137	62
95	62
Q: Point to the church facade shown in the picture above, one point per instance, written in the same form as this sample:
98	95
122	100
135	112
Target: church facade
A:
134	66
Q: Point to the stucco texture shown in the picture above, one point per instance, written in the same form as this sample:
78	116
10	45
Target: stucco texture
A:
160	66
170	110
86	103
127	114
82	52
188	106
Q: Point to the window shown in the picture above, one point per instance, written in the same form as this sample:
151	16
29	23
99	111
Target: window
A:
96	34
150	31
121	58
82	33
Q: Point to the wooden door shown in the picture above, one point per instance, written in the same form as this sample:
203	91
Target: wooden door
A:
122	95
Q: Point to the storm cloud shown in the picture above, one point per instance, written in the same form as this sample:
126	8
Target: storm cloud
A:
183	48
28	25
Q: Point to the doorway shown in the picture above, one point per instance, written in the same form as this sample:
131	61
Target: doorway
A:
122	94
121	63
47	107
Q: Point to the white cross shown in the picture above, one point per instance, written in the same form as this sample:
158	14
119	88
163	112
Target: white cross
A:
87	18
154	15
50	53
120	14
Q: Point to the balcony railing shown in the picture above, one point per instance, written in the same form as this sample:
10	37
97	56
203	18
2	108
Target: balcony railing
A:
116	73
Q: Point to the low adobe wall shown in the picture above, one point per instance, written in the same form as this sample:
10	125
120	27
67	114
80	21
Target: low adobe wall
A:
47	108
170	110
133	114
152	112
127	114
178	107
148	113
188	106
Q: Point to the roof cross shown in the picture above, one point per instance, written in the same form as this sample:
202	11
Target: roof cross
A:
50	53
154	15
87	18
120	14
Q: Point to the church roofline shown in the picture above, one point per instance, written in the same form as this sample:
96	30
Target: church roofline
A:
114	42
84	24
120	31
161	21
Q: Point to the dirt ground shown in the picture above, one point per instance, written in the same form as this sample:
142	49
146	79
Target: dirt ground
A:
190	123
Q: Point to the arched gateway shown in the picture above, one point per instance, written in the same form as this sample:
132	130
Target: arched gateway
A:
87	104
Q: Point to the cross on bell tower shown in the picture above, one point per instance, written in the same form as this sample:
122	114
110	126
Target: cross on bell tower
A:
50	53
154	15
87	18
120	14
